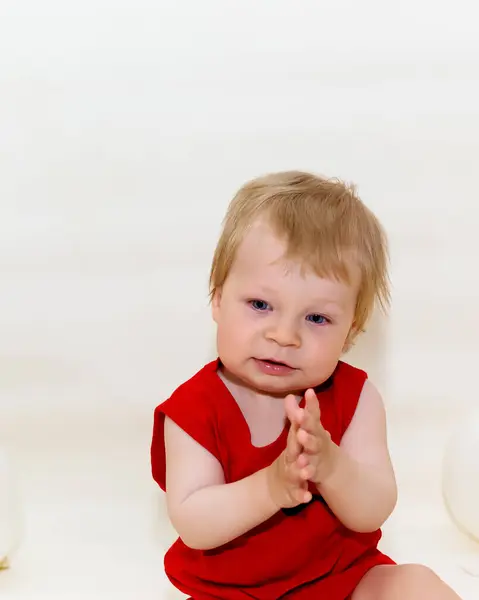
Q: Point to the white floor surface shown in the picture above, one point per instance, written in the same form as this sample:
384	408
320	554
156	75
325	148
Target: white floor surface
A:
96	528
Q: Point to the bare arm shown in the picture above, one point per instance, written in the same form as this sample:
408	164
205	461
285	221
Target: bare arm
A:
361	489
205	511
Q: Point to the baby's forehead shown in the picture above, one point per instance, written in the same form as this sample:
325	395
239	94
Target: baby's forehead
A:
263	252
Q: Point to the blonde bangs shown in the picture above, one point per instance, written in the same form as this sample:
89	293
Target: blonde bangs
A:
325	225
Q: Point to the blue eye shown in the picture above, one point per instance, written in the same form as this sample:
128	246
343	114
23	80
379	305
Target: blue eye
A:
317	319
259	305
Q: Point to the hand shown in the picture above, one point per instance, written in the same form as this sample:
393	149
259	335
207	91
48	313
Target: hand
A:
317	460
286	477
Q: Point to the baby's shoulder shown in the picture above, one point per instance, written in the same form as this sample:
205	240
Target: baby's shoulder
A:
198	390
192	406
347	373
348	385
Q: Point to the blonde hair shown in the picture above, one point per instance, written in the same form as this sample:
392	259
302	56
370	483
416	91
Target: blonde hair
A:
325	225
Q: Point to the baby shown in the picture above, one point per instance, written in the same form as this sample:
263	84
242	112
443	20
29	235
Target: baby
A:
274	457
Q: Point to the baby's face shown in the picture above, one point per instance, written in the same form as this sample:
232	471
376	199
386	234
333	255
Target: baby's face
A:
280	330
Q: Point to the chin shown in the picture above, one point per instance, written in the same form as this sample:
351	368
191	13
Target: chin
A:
248	376
276	386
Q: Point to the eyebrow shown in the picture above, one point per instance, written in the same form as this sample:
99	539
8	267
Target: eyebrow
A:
267	290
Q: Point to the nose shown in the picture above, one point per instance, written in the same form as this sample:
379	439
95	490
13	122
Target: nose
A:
284	333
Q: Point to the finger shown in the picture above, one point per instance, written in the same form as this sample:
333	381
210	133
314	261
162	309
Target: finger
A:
307	472
302	460
312	404
300	479
312	417
310	443
305	496
293	447
295	467
301	493
303	467
293	411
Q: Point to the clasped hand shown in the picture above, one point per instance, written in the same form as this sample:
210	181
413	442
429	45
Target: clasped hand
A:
309	455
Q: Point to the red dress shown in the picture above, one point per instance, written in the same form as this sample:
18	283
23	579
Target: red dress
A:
299	554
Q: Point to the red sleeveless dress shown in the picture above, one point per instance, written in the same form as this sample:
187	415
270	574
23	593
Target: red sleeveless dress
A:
299	554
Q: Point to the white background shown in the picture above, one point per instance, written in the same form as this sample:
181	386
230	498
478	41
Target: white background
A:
125	129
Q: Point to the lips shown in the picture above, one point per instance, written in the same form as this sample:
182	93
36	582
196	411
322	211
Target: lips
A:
273	367
273	362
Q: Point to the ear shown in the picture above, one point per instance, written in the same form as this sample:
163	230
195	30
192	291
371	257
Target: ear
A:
352	335
215	304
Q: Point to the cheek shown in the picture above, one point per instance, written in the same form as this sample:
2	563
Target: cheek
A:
328	342
231	328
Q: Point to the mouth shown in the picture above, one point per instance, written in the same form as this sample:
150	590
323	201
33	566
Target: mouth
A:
271	366
276	363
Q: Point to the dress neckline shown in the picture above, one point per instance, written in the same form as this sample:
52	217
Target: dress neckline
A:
240	418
